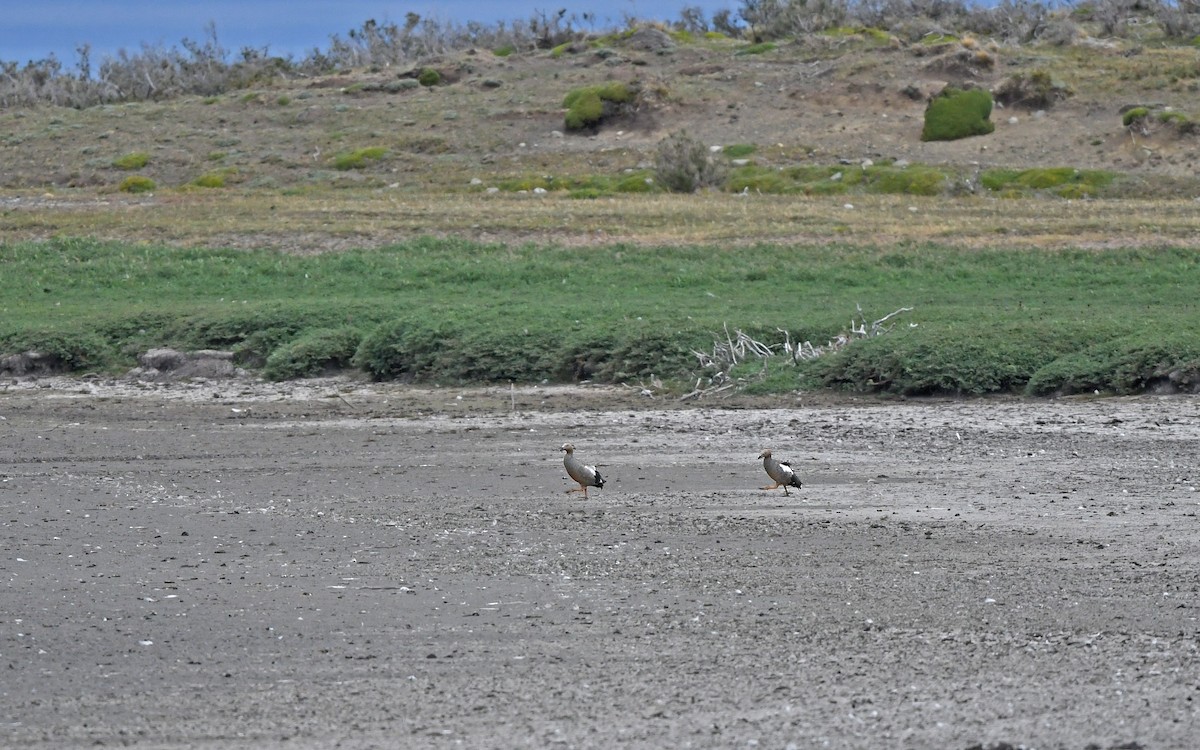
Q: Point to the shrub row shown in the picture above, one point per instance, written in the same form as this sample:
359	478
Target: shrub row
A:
1030	362
286	344
910	362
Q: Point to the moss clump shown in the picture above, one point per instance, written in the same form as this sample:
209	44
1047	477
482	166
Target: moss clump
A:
752	179
1134	116
957	113
588	106
359	157
585	111
429	77
1066	182
641	181
915	180
134	160
136	184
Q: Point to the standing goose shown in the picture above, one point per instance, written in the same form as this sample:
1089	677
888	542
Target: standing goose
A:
780	471
586	476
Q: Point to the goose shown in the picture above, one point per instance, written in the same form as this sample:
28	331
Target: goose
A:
780	471
586	476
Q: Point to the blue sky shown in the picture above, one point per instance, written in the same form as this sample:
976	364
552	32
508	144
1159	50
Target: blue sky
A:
33	29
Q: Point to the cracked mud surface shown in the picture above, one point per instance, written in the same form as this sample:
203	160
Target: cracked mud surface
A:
337	564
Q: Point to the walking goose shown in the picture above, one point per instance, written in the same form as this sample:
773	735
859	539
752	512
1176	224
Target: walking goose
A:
780	471
586	476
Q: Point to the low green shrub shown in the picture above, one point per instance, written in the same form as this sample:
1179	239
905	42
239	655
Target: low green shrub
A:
739	150
958	113
405	349
928	361
65	351
1128	364
429	77
639	355
837	180
358	158
525	355
136	184
585	111
253	333
752	179
640	181
131	161
316	352
1067	182
912	180
210	180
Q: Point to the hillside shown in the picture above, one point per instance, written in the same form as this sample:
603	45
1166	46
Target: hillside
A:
824	100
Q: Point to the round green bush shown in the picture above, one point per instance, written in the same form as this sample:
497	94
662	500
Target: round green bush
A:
429	77
957	113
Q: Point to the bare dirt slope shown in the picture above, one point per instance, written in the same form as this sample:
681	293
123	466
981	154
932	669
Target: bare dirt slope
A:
333	564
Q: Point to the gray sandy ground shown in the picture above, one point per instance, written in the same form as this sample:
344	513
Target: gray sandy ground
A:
350	565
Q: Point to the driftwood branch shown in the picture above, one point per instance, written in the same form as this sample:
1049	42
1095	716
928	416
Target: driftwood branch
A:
738	347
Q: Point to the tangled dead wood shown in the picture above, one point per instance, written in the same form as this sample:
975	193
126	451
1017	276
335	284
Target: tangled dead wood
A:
739	347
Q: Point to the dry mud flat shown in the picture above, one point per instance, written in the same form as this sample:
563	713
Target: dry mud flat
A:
350	565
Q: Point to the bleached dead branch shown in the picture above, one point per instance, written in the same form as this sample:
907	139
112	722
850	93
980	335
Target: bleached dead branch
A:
739	347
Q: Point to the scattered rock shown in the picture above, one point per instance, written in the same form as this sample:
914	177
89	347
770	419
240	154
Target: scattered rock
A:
31	363
649	39
171	364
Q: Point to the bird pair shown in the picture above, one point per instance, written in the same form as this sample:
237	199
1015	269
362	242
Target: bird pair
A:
587	476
